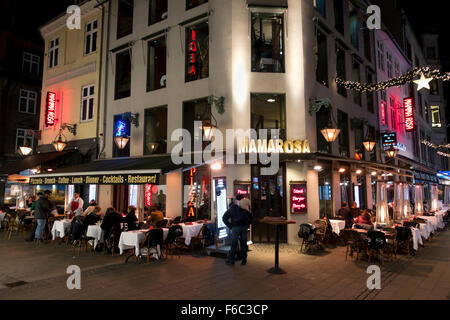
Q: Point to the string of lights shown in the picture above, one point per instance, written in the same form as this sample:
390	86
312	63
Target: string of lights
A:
435	146
426	75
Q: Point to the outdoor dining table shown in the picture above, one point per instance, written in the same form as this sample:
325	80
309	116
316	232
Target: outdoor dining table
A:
191	230
60	228
94	231
432	221
277	223
337	226
133	239
417	239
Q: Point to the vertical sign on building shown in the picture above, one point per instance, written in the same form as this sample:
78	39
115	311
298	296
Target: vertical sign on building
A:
148	195
298	198
50	109
383	113
408	106
192	53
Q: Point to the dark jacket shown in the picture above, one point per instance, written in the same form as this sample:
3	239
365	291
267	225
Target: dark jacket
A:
235	216
90	220
42	208
109	220
347	215
131	220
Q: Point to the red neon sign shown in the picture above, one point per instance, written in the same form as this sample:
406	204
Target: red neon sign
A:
408	106
192	54
383	112
148	195
242	192
50	109
298	199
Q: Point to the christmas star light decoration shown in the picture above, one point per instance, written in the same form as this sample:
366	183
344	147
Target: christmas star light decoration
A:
423	82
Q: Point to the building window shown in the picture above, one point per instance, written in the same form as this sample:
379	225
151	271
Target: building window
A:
416	148
434	88
389	65
436	117
354	25
156	67
125	18
24	137
431	53
373	134
320	7
122	127
197	52
155	131
397	69
123	74
426	113
341	69
194	3
27	101
268	111
197	110
359	147
342	123
367	44
30	64
370	95
356	77
399	119
53	53
197	193
380	54
87	103
408	49
268	42
91	37
157	11
339	15
321	58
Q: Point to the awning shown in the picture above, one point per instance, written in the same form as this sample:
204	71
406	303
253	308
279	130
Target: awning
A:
144	170
30	162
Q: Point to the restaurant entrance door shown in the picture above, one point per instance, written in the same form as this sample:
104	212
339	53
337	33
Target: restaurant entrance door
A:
267	201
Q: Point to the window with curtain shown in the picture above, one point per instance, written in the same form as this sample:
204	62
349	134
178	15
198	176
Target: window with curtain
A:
321	58
123	74
354	25
341	69
156	64
155	131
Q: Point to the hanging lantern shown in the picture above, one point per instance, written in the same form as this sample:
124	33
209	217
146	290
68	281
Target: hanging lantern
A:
392	152
121	141
369	144
330	133
60	142
25	150
208	131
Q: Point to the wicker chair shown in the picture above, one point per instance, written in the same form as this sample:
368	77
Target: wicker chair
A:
322	235
152	244
404	240
390	250
174	239
307	234
376	245
353	242
200	239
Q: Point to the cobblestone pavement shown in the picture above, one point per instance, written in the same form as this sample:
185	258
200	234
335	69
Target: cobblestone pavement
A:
321	276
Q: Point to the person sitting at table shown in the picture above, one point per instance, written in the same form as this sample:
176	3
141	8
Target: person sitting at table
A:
364	218
112	218
146	213
131	219
156	216
92	218
356	212
90	208
346	214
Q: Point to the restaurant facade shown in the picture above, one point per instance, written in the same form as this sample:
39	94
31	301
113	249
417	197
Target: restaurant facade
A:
237	65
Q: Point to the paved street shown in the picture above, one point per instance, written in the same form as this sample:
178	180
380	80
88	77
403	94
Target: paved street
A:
192	276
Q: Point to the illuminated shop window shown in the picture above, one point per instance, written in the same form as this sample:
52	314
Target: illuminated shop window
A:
436	117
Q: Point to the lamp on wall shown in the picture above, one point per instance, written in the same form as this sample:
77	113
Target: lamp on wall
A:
121	138
392	152
209	127
60	141
26	149
121	141
330	132
369	142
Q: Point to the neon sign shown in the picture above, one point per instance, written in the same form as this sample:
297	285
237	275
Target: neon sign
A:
408	106
148	195
299	199
383	112
192	53
120	128
50	109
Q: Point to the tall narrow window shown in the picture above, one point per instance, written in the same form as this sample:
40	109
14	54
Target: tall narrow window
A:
436	117
87	103
389	65
155	131
321	58
27	101
30	64
320	7
157	11
268	42
380	55
197	52
356	77
123	74
354	25
91	37
434	88
341	69
125	13
344	148
194	3
53	53
419	103
370	95
367	44
268	112
197	110
24	137
339	15
156	64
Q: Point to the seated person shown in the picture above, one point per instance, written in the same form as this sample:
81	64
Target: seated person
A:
92	205
156	216
346	214
146	213
364	218
92	218
76	228
111	218
130	219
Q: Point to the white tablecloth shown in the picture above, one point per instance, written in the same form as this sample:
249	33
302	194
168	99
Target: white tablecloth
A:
190	231
424	230
417	238
61	228
337	226
94	232
433	222
133	239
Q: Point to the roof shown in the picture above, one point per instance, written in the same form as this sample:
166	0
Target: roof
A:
30	162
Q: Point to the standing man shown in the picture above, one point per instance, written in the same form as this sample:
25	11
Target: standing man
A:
42	210
236	219
346	214
76	205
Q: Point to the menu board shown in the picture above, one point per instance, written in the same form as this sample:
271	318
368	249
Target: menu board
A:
299	203
389	139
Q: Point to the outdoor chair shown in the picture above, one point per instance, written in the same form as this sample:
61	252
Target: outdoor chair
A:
152	244
376	244
321	228
404	240
200	239
172	241
177	220
307	234
353	242
390	250
111	239
411	224
162	223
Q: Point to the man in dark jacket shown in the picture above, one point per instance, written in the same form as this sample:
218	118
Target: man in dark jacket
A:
42	211
346	213
32	209
237	220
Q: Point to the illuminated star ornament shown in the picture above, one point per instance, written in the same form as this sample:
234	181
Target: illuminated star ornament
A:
423	82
